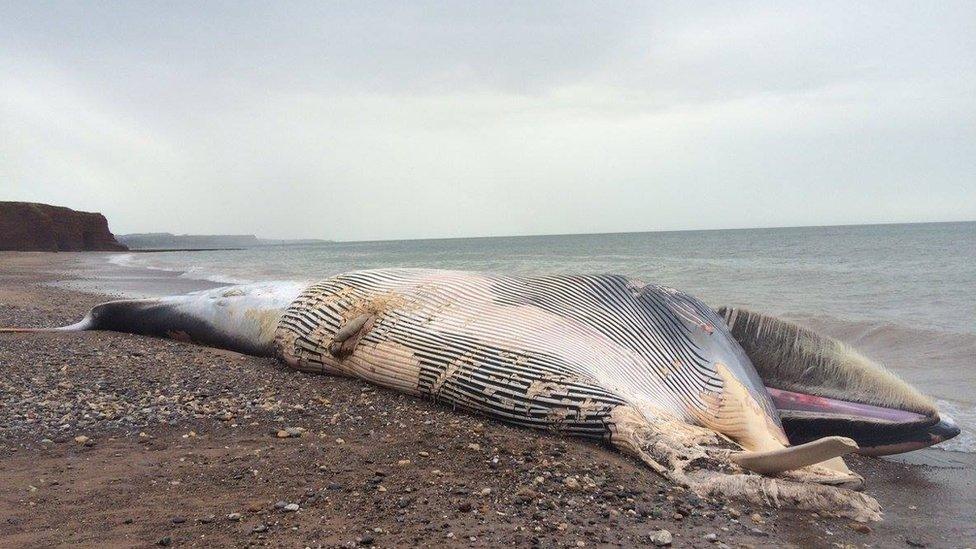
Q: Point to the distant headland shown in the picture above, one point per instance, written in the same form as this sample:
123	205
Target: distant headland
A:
33	227
170	241
36	227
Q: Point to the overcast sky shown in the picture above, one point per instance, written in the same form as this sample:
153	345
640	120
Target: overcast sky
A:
405	120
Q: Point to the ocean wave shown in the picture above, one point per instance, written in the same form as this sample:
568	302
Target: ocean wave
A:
916	352
202	273
140	261
122	260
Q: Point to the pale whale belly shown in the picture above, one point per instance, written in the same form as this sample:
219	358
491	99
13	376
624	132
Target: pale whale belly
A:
555	352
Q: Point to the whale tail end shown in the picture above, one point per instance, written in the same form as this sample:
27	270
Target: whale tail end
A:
81	326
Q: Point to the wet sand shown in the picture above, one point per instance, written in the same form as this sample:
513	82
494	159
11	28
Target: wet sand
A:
180	440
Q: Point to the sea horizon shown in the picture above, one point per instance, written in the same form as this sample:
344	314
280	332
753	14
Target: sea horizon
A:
599	233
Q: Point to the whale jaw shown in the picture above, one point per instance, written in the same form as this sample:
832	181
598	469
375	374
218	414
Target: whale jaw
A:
878	430
821	387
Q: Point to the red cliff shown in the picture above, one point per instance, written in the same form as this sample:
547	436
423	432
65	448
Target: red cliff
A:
28	226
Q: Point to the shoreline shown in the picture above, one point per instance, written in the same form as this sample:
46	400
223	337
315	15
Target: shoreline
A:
62	491
98	275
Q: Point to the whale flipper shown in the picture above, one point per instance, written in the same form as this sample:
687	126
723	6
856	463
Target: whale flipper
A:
790	458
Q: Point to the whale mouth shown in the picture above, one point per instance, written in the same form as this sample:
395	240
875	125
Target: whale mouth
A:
878	430
823	387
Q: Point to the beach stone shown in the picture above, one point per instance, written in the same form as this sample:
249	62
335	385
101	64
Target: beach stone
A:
259	529
861	528
660	538
234	517
291	507
711	538
165	541
81	439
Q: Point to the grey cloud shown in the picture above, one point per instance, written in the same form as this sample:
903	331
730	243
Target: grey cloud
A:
394	120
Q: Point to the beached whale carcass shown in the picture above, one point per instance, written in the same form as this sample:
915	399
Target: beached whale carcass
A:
651	370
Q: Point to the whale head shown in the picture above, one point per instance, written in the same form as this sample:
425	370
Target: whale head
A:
822	387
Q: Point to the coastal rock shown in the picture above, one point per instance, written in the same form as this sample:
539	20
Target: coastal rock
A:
28	226
660	538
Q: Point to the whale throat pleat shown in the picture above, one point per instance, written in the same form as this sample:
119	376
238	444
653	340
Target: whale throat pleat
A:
559	352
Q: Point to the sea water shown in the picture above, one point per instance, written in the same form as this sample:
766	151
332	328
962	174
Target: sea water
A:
902	294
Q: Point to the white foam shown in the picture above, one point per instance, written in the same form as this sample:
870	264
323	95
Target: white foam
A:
202	273
140	261
122	260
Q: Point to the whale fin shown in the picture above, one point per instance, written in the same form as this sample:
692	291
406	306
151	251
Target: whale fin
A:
771	462
348	336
